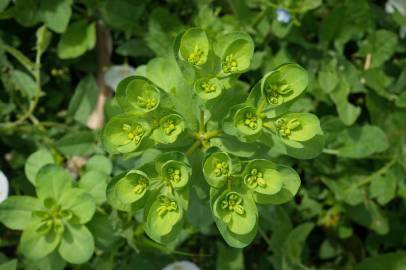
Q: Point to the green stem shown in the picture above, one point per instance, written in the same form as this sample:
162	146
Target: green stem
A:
263	234
261	105
201	122
268	125
330	151
379	172
213	133
37	76
194	146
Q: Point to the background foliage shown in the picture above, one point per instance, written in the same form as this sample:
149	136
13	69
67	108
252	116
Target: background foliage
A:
350	210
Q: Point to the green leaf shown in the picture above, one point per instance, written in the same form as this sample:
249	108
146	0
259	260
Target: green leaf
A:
112	197
163	72
360	141
78	38
124	133
11	264
234	146
290	186
16	211
307	5
194	46
84	100
79	143
229	258
383	187
95	183
132	187
401	101
140	95
81	203
237	210
345	189
27	12
296	240
3	5
236	240
36	245
52	181
122	14
262	177
241	10
282	85
369	215
23	83
35	162
299	127
328	77
52	261
236	50
280	225
163	218
134	48
208	88
77	244
56	14
43	39
102	230
381	44
347	112
307	149
389	261
99	163
217	167
170	127
178	173
247	122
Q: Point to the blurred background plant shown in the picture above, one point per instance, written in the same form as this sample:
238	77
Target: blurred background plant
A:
61	59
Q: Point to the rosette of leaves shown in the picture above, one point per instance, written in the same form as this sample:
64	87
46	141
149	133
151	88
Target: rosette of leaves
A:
55	220
199	108
160	188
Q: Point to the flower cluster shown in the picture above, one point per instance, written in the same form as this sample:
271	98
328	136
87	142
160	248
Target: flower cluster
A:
194	104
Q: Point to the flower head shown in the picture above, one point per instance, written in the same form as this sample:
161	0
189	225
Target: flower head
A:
283	15
3	187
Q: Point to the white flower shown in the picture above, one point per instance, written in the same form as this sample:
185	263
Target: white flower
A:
402	32
283	15
3	187
116	73
399	5
181	265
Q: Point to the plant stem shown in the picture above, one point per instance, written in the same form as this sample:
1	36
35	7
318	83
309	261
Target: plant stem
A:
379	172
263	234
330	151
214	133
268	125
201	122
261	105
195	145
37	76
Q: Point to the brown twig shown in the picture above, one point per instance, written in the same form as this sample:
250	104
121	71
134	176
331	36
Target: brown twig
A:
103	49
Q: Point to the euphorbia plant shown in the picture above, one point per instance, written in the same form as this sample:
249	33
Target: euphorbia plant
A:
191	106
55	220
